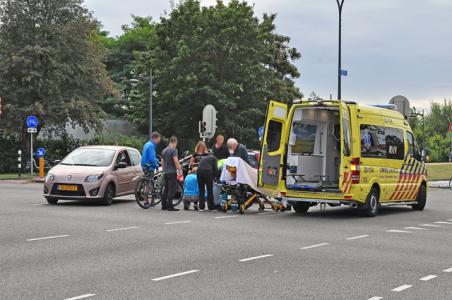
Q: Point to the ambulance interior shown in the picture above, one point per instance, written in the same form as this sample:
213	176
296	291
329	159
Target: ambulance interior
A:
313	156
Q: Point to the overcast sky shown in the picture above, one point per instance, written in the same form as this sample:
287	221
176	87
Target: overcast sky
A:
390	47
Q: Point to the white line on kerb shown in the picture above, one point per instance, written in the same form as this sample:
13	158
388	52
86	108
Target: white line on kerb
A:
375	298
401	288
442	222
255	257
314	246
81	297
121	229
225	217
179	222
175	275
429	225
47	238
448	270
414	228
357	237
397	231
429	277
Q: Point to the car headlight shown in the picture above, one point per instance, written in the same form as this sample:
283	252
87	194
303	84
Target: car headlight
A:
50	177
93	178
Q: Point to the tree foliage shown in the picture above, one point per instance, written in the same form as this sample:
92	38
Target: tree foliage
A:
51	64
221	55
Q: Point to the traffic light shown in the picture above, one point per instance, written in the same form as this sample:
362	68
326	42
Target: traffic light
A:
203	127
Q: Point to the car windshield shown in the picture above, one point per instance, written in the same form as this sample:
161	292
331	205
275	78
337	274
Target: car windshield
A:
89	157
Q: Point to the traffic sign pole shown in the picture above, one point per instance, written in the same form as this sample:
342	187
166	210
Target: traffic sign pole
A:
31	153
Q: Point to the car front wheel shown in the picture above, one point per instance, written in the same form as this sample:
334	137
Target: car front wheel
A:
109	194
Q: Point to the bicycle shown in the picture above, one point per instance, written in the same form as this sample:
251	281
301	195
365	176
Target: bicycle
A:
149	190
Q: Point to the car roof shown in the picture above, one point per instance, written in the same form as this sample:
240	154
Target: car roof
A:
107	147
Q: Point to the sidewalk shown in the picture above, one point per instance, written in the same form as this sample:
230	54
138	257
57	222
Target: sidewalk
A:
439	184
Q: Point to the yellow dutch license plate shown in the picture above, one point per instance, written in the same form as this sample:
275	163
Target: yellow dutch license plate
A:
65	187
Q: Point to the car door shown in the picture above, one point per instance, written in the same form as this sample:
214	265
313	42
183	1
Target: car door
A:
125	176
273	147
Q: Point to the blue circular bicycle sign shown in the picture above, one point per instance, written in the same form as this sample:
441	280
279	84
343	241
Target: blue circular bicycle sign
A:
32	122
40	152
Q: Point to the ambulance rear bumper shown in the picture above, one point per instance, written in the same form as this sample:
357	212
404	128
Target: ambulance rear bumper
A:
347	202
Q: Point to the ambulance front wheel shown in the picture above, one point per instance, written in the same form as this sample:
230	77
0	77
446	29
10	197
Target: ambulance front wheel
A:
371	206
421	198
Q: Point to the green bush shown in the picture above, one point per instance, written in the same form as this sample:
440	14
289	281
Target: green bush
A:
122	140
9	145
439	147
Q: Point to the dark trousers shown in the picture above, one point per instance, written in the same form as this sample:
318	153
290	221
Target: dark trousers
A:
169	190
205	181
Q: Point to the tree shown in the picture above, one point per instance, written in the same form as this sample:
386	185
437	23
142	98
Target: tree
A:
221	55
51	64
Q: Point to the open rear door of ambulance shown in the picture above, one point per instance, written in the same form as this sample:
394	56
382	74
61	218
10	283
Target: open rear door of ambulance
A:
273	147
348	166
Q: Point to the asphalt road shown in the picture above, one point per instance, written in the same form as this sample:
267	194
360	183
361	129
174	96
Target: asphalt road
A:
86	251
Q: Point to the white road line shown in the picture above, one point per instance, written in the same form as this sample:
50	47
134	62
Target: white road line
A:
255	257
357	237
313	246
375	298
179	222
81	297
401	288
397	231
448	270
429	277
120	229
415	228
266	213
225	217
442	222
39	204
429	225
175	275
47	238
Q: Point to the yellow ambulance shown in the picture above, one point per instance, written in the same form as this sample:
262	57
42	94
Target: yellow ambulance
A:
341	153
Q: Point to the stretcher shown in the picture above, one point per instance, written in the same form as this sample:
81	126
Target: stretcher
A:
239	182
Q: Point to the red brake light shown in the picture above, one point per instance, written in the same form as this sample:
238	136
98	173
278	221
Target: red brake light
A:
356	169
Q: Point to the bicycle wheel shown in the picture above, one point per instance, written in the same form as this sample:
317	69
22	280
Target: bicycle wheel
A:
179	194
140	193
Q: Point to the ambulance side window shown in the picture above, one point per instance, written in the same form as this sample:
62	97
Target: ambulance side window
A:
274	132
412	146
395	143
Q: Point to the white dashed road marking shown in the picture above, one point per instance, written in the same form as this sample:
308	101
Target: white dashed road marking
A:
179	222
429	225
47	238
121	229
427	278
442	222
266	213
313	246
225	217
397	231
357	237
81	297
255	257
448	270
414	228
401	288
375	298
175	275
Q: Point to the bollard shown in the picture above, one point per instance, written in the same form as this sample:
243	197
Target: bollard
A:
19	163
41	167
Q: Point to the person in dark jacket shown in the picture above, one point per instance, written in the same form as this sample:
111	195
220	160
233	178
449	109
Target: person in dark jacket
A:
207	171
238	150
220	151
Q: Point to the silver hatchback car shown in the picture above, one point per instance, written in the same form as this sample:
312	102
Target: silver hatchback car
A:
98	173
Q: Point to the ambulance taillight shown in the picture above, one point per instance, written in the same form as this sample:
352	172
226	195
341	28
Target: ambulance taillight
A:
356	169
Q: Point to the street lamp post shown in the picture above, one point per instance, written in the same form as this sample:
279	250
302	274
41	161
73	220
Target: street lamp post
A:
340	4
134	82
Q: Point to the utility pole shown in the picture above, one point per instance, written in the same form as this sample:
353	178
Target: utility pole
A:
151	90
340	4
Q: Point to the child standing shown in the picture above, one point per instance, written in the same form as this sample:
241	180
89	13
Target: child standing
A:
191	190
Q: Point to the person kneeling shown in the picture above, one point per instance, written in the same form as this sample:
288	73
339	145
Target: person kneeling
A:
191	190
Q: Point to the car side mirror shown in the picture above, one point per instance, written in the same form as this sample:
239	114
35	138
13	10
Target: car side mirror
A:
121	165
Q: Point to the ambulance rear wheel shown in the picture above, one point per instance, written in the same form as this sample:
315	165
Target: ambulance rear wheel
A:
371	206
301	208
421	198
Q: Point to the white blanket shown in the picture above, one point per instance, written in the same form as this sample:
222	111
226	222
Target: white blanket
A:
245	173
